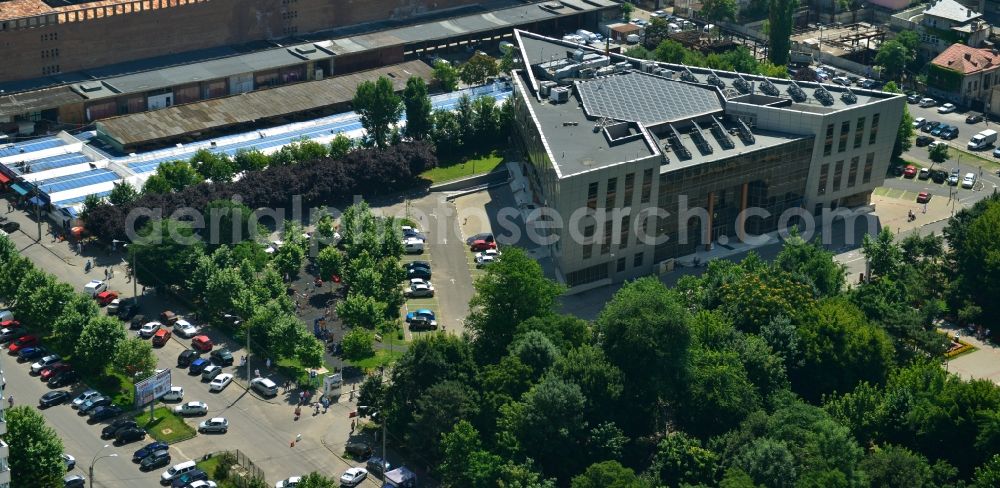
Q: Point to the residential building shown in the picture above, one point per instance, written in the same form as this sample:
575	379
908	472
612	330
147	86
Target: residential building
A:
942	23
622	149
964	75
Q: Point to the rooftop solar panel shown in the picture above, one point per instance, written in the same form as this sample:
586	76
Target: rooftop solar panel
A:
646	99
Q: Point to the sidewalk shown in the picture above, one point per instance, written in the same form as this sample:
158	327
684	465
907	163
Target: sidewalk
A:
982	364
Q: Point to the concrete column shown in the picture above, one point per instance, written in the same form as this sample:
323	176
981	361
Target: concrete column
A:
707	234
741	219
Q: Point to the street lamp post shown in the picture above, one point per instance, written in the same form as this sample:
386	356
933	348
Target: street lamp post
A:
98	457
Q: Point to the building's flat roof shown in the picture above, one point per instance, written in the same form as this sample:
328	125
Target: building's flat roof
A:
237	109
14	9
574	145
647	99
34	101
763	139
951	10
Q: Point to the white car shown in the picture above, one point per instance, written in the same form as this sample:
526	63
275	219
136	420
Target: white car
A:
192	408
93	287
420	288
969	181
202	484
220	382
489	252
927	102
175	394
45	362
353	476
83	397
214	424
291	482
114	306
149	328
185	329
919	122
946	108
482	261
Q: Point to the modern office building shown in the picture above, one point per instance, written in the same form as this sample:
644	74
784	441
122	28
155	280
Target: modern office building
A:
619	148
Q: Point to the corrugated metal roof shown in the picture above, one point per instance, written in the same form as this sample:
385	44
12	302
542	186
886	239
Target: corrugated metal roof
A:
221	112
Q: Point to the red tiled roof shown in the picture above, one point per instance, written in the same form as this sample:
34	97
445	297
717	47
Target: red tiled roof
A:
967	60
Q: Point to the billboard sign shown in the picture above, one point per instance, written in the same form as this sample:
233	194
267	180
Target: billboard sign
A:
149	389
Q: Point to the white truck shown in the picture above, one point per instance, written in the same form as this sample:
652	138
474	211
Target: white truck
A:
588	36
983	139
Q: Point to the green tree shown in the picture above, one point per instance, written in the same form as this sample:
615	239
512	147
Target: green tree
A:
250	160
464	462
173	176
361	311
213	166
882	253
37	305
670	51
123	194
535	350
288	258
379	107
609	474
229	223
133	358
897	467
98	342
600	381
656	32
331	262
316	480
340	146
627	9
512	290
904	134
507	59
163	252
893	57
67	325
637	51
437	410
446	74
681	459
719	10
36	453
988	475
418	108
939	154
978	259
768	462
780	19
358	344
479	68
719	393
813	262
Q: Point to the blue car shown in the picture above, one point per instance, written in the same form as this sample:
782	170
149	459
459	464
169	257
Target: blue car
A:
198	365
423	312
149	449
29	353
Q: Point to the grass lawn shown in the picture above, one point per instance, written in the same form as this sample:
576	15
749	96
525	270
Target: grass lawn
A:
208	466
167	427
447	171
381	357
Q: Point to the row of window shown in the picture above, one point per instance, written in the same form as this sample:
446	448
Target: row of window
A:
291	14
845	130
54	36
50	70
838	173
600	271
611	193
50	53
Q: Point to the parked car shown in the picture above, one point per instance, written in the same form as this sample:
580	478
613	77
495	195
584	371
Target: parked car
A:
149	449
946	108
31	353
93	403
63	378
53	398
420	312
93	287
84	397
105	297
841	80
418	272
924	140
377	466
202	343
198	366
289	482
953	177
974	119
21	343
69	461
74	481
913	98
157	459
939	176
411	232
185	358
210	372
969	181
51	359
919	122
11	332
49	371
950	133
168	317
10	227
215	424
161	337
264	386
924	174
222	357
420	288
910	171
202	484
220	382
482	245
104	413
928	102
175	394
358	449
136	322
109	431
185	329
412	245
192	408
929	126
423	323
131	434
127	310
418	264
149	328
353	476
188	478
937	131
483	261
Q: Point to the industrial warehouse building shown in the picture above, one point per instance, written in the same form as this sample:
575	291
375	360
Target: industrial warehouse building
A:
642	141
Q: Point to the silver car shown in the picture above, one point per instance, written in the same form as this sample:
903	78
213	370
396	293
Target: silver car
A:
215	424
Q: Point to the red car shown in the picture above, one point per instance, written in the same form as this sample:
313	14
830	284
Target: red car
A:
54	370
482	245
22	342
161	337
105	297
910	171
923	197
202	343
10	324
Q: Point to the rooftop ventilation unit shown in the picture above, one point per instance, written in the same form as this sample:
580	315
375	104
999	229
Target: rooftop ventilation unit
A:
688	76
823	96
559	94
721	135
768	88
848	96
745	135
675	143
715	80
742	85
700	141
797	94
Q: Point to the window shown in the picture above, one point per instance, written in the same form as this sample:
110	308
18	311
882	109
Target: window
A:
837	173
629	188
647	186
845	128
587	275
623	235
823	175
587	250
606	238
609	200
637	260
592	195
874	132
859	132
869	162
828	143
588	233
852	174
621	264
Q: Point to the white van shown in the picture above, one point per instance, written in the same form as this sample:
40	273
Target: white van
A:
94	287
176	471
412	245
927	102
983	139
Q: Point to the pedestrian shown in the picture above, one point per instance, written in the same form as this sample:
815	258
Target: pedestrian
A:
10	208
302	397
10	400
353	422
